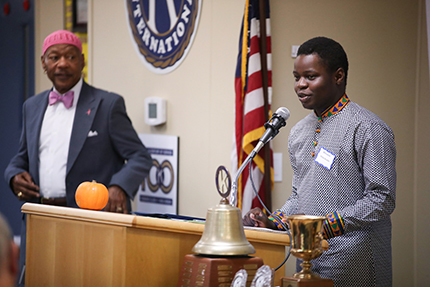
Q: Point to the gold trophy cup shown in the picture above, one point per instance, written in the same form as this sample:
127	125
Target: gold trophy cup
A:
306	240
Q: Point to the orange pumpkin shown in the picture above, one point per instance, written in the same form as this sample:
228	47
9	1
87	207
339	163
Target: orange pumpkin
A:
91	195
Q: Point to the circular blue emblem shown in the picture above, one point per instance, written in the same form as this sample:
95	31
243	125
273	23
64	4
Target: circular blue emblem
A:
163	31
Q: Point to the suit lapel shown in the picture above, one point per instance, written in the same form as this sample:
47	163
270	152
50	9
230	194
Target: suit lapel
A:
35	114
86	110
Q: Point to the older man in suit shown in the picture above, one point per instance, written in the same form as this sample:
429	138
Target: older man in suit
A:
74	133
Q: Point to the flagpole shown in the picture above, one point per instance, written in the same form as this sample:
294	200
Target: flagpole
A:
265	80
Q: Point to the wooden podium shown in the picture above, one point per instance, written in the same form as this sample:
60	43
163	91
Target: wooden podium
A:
76	247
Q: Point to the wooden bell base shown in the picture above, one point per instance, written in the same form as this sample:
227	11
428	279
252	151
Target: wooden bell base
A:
198	270
295	282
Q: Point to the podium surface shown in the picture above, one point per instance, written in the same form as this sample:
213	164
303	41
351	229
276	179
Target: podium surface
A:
76	247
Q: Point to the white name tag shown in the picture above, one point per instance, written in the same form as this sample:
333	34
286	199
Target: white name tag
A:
325	158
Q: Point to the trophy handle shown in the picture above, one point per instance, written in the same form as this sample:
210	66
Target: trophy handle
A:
318	242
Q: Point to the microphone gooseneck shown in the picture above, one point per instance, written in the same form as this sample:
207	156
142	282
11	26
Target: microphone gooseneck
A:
277	121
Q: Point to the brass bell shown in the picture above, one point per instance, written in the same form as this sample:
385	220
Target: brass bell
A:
223	233
223	248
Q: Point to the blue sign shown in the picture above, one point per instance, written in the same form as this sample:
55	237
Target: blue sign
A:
163	31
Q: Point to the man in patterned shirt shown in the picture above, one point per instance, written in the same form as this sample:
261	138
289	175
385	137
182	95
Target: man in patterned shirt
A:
343	158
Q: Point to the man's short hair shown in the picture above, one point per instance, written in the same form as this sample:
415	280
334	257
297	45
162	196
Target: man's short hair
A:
330	51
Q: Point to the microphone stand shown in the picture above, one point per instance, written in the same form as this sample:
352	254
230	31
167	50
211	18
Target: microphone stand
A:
260	144
233	196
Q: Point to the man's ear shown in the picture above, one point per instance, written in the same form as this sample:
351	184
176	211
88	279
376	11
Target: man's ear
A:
83	61
42	59
14	259
339	76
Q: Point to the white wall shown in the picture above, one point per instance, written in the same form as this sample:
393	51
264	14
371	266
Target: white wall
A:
386	44
421	198
199	93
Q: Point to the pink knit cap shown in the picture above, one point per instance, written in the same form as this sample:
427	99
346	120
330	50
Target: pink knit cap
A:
61	37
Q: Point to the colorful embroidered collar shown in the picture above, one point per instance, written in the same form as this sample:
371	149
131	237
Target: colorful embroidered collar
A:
335	108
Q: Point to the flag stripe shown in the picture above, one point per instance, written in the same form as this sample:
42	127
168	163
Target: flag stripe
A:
249	194
249	105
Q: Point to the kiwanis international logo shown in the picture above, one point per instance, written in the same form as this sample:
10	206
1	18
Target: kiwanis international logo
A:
163	31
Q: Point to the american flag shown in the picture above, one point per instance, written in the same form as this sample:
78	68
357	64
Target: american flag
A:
249	108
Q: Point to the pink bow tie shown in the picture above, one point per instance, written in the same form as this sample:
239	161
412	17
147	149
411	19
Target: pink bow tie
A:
67	99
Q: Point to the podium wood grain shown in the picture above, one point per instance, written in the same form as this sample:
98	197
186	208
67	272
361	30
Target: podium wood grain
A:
75	247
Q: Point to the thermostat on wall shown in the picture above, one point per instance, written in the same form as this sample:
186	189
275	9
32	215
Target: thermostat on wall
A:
155	111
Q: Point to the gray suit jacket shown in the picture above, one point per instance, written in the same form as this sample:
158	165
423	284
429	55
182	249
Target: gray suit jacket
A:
115	156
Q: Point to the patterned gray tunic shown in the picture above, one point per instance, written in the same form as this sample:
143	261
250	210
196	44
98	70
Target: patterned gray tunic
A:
360	185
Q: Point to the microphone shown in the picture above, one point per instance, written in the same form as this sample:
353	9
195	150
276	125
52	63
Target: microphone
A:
275	123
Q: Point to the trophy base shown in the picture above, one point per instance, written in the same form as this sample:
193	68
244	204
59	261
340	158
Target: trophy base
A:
298	282
198	270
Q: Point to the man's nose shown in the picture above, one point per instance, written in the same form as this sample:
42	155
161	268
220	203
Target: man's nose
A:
302	83
63	62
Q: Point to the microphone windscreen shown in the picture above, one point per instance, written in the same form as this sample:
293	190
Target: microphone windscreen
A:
283	112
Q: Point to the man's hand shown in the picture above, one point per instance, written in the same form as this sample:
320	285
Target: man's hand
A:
24	187
257	218
117	200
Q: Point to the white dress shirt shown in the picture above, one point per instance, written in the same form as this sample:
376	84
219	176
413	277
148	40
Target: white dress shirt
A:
54	145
